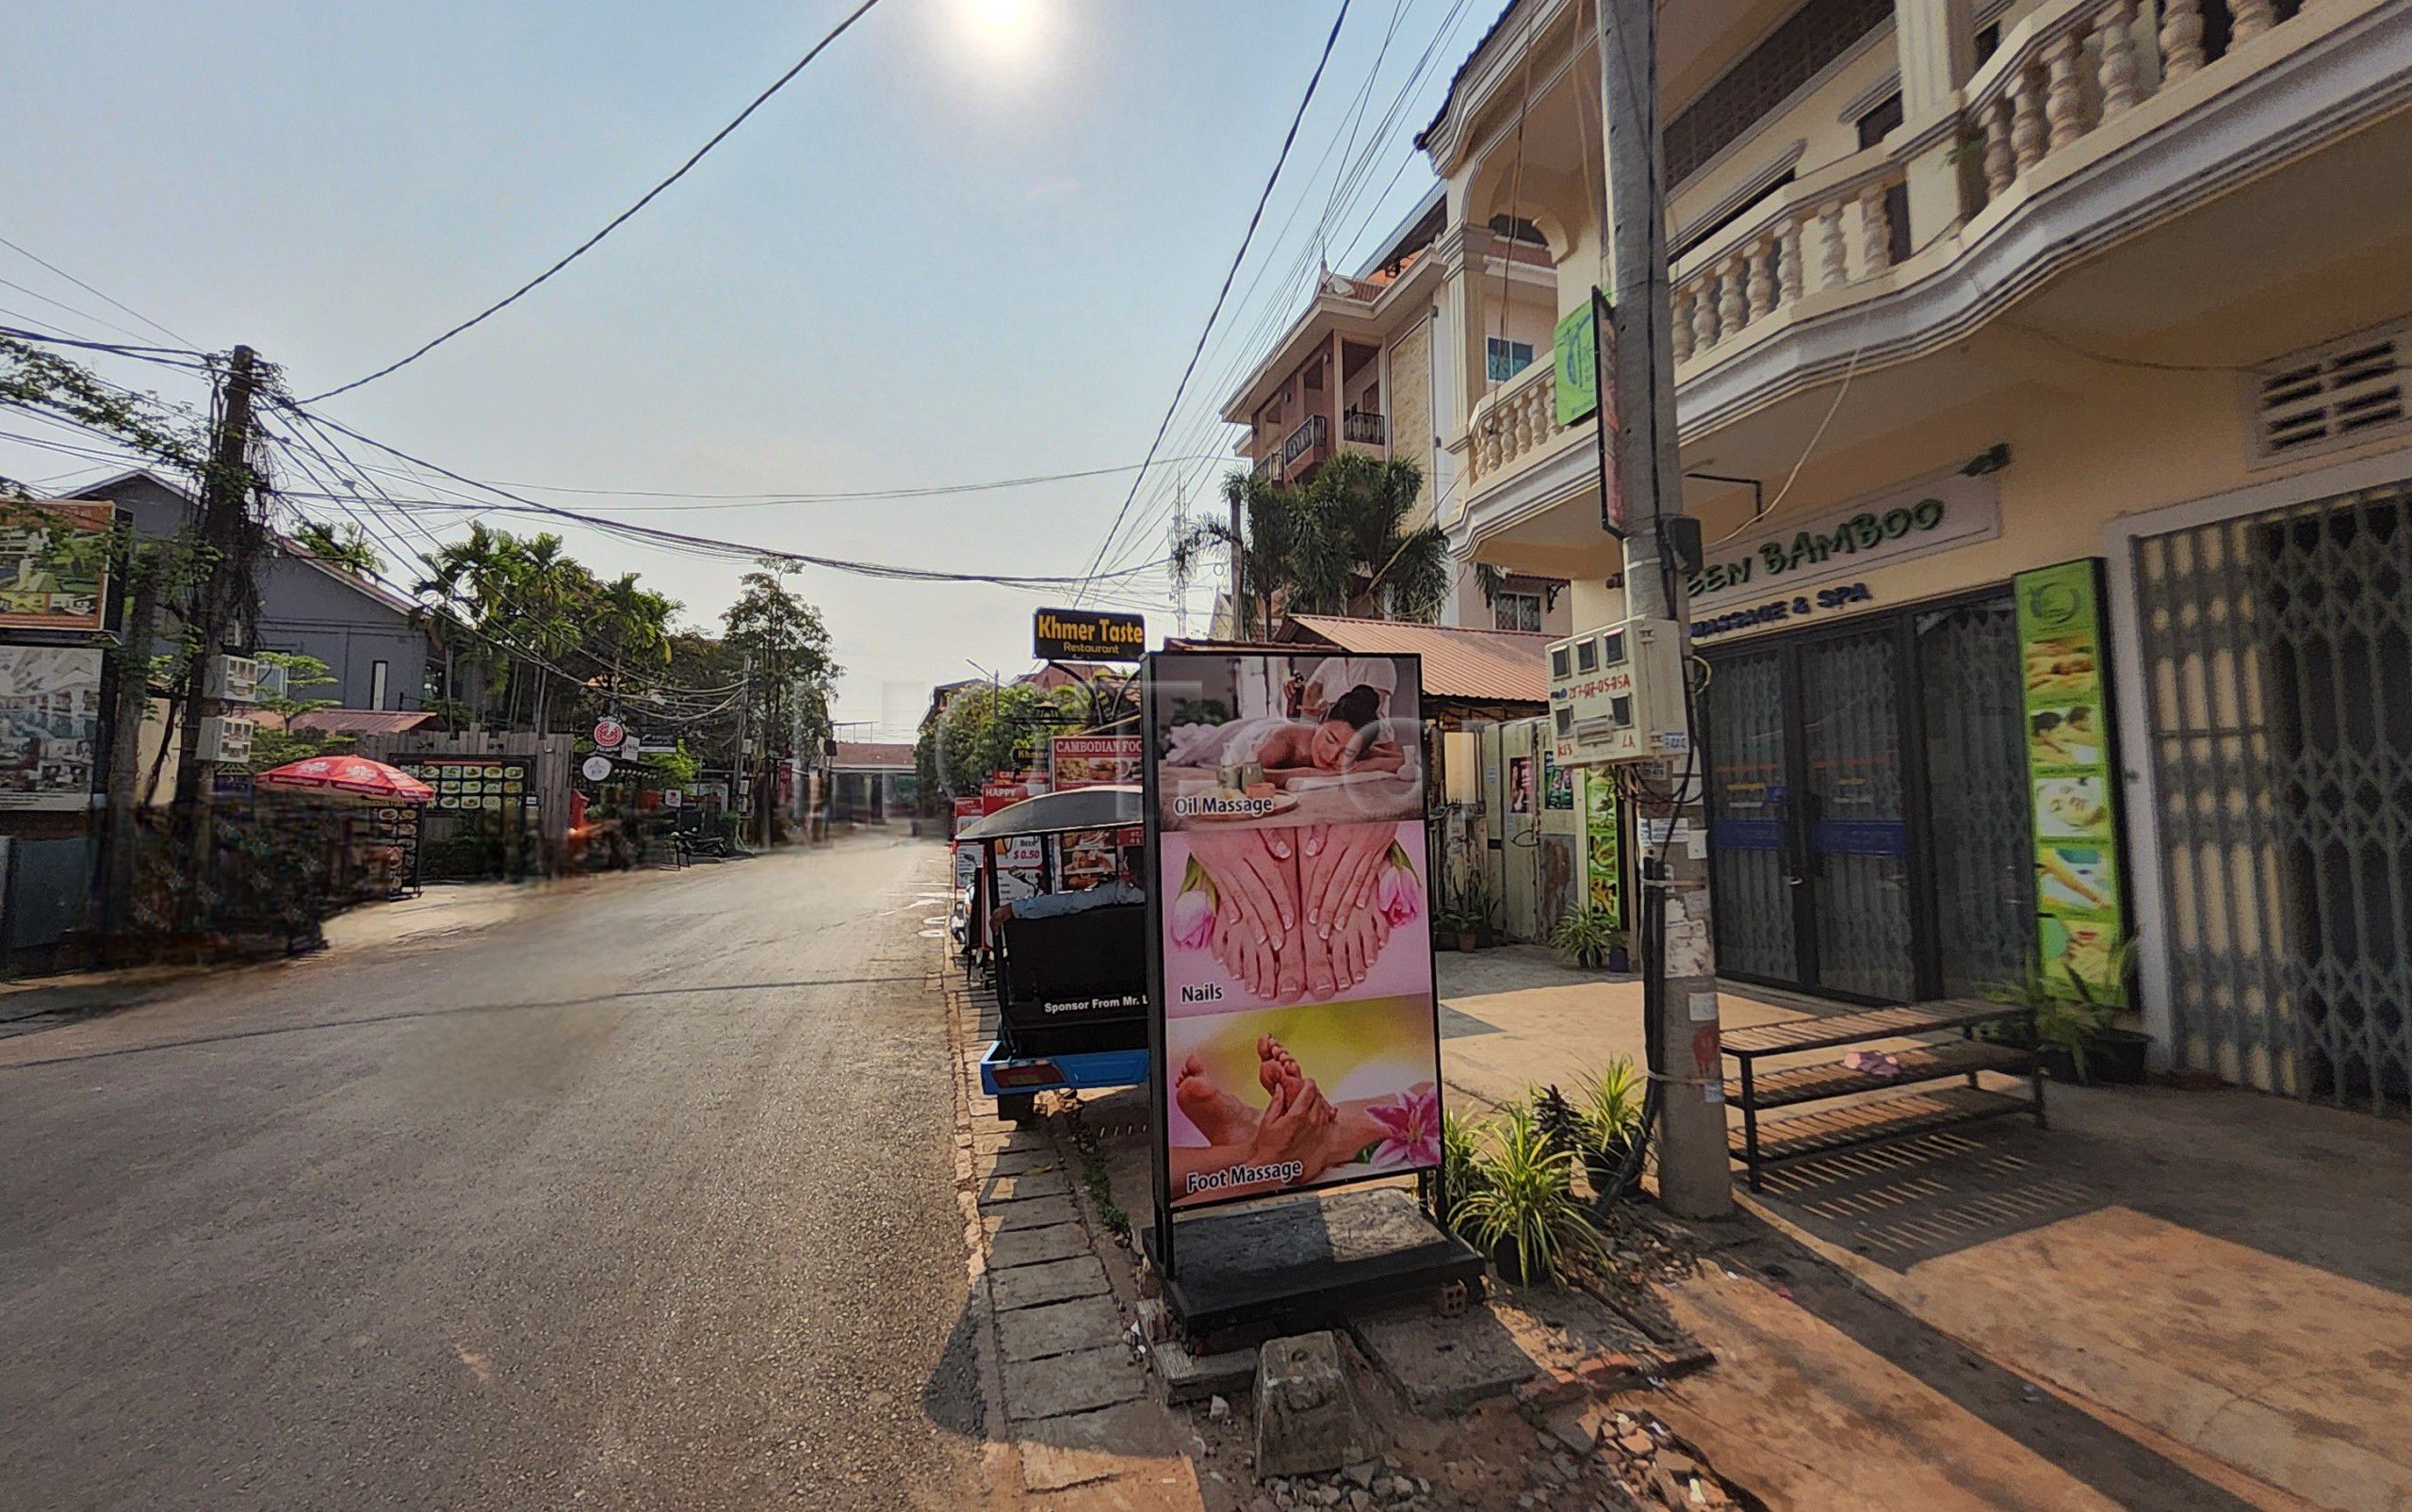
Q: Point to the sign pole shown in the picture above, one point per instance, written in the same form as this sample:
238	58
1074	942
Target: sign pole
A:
1159	1126
1679	960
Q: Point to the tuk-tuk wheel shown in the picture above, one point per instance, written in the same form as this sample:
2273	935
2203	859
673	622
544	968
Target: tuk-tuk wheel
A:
1017	1107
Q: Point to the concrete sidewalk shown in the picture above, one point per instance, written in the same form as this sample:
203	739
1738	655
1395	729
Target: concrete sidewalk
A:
2169	1298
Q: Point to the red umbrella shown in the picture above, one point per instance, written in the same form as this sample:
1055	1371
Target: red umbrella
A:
347	774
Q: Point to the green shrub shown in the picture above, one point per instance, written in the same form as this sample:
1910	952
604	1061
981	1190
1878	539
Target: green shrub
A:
1523	1207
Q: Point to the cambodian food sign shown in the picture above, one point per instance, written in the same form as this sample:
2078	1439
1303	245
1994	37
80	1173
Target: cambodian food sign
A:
1296	1030
1094	760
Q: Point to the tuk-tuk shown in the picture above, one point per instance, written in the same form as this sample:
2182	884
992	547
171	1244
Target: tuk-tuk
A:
1071	989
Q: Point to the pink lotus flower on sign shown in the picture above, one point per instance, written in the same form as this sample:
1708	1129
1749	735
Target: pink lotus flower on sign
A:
1192	911
1396	893
1411	1128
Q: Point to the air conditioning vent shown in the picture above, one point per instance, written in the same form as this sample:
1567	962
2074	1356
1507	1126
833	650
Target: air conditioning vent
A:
2349	391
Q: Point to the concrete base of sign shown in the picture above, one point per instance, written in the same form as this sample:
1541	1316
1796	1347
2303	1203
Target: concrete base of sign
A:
1298	1259
1307	1419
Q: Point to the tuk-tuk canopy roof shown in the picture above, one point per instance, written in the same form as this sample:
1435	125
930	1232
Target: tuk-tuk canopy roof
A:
1111	806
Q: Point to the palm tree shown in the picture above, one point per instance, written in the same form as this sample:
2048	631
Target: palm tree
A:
1340	545
345	547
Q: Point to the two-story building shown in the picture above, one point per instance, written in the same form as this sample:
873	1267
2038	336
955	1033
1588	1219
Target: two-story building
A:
1964	290
375	643
1354	372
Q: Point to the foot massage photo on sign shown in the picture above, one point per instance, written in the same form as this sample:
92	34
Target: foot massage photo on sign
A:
1301	1031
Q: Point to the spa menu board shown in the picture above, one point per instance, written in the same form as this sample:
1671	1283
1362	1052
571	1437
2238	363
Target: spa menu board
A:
2080	915
1295	1030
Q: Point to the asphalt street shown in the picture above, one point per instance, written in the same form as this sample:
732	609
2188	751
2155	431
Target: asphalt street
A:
640	1197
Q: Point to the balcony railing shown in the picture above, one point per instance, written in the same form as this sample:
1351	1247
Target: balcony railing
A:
1515	423
1365	430
2067	70
1308	445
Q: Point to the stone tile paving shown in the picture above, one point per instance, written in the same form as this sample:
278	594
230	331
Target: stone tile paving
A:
1073	1397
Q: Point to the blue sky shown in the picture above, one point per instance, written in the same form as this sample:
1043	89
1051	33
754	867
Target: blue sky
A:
974	240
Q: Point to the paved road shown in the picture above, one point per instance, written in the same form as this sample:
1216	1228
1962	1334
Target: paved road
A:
639	1199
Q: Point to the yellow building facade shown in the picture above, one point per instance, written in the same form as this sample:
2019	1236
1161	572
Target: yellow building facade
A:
1965	293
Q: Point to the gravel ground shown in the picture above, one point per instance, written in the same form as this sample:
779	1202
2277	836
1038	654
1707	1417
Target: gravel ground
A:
638	1198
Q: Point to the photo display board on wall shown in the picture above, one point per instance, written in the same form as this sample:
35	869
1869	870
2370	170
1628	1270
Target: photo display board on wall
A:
1296	1030
492	785
2080	913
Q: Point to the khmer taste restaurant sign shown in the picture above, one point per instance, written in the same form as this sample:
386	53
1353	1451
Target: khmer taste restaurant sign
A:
1759	577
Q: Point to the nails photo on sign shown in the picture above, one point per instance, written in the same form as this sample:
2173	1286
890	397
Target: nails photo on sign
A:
1258	916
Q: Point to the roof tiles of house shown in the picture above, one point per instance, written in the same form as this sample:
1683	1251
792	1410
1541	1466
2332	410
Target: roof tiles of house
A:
1490	665
873	755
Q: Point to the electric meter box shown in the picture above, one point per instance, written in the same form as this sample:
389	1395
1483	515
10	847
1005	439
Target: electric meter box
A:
226	739
1617	694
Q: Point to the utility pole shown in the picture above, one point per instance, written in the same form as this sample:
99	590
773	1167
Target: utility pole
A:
226	537
131	702
1693	1180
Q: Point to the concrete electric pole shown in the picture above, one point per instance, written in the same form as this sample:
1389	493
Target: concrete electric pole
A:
223	600
1679	962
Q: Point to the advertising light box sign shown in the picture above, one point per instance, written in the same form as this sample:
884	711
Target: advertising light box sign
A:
1296	1030
1087	635
2080	916
1094	760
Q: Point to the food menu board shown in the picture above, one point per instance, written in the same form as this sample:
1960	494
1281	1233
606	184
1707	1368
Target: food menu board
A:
496	785
2080	915
389	844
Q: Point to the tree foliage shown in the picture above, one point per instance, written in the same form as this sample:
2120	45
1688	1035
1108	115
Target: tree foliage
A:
1345	544
986	729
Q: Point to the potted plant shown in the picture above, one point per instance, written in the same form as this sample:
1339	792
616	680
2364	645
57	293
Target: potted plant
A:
1522	1206
1619	959
1583	937
2071	1031
1610	1105
1484	905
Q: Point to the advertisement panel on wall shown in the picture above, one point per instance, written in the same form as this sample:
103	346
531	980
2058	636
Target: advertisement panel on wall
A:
2081	917
1094	760
1603	844
1296	1030
50	725
53	564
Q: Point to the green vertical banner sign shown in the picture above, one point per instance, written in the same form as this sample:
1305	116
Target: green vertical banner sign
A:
1603	844
1574	348
2080	915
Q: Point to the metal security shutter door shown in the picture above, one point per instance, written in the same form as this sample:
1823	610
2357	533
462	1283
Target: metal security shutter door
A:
1979	825
2277	681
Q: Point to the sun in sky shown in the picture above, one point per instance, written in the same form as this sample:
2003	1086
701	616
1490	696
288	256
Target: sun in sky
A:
997	33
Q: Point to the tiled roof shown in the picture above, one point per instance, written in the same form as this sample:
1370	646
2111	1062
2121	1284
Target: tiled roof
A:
353	721
1491	665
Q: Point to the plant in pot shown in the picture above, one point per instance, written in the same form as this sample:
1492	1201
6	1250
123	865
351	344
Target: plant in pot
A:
1523	1207
2071	1029
1610	1104
1583	937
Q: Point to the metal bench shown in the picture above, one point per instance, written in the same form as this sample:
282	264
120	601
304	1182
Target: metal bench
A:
1761	1143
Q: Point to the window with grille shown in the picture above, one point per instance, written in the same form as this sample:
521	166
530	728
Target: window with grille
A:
1517	611
2342	394
1793	53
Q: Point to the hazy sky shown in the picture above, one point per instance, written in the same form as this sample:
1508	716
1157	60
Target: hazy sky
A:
974	241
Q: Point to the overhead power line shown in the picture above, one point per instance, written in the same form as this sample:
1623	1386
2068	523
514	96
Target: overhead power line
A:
1255	216
88	288
617	220
710	545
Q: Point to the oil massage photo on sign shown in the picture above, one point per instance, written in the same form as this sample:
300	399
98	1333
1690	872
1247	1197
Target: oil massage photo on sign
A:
1309	739
1300	1043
